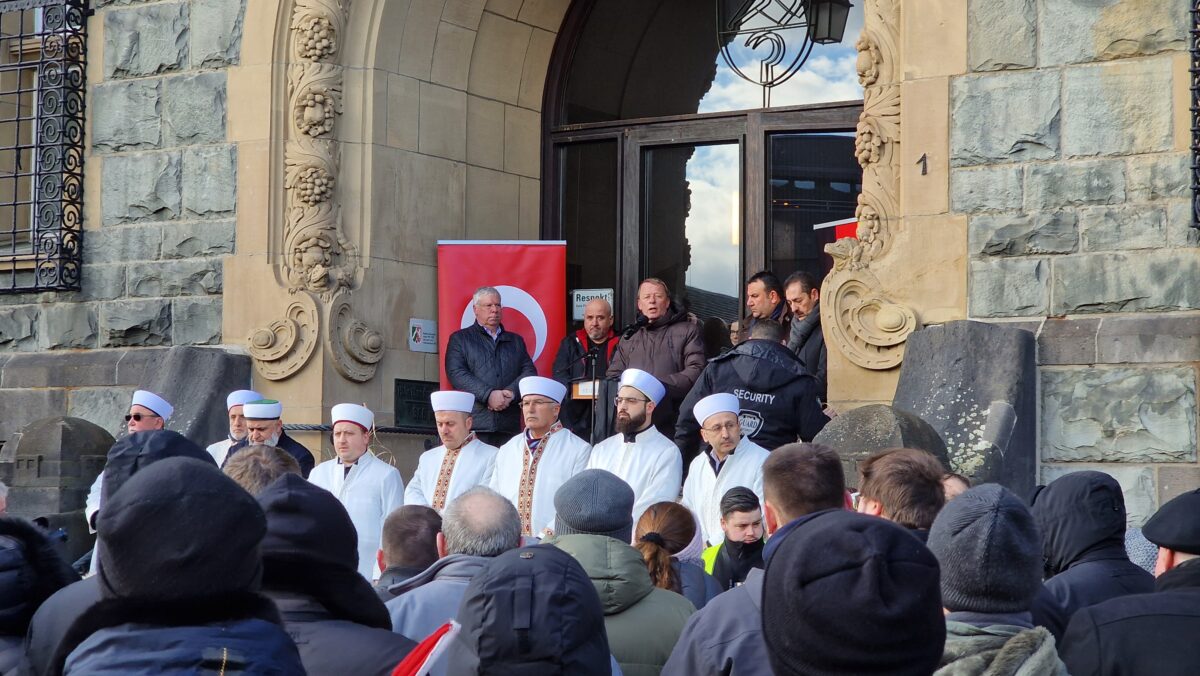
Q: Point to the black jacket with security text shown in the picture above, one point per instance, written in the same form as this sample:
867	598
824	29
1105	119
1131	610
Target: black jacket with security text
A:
777	396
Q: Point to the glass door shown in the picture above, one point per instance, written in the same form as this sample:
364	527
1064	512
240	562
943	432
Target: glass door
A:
691	224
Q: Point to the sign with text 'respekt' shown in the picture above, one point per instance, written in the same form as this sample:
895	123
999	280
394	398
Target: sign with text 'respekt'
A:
581	297
422	335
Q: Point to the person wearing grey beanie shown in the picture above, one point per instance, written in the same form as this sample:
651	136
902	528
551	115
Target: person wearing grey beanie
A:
989	550
594	524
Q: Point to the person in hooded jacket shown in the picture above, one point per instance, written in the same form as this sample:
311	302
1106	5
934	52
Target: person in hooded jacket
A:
667	344
1148	633
31	569
310	559
989	551
778	397
1081	517
179	582
664	530
594	524
531	612
127	456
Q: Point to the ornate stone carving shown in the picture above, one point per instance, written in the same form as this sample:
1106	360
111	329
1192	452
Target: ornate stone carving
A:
865	325
355	347
317	261
316	28
316	97
284	346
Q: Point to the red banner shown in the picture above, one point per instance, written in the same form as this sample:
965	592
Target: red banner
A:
532	280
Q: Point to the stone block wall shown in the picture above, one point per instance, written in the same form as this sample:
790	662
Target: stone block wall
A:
1069	153
160	194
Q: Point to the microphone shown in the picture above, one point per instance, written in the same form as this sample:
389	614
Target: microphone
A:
632	328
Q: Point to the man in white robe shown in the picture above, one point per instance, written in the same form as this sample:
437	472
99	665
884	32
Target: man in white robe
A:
237	423
638	453
462	462
728	460
367	487
532	465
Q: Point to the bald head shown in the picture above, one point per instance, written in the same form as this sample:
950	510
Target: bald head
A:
597	319
481	522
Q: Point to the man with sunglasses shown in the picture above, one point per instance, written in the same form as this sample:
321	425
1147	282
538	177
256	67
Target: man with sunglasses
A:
638	453
728	459
532	465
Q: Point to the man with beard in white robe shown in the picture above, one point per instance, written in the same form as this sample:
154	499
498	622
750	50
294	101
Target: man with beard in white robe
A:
638	453
367	487
532	465
462	462
728	460
234	404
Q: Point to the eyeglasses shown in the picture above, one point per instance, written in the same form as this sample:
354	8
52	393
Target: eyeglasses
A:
137	417
537	402
629	400
731	427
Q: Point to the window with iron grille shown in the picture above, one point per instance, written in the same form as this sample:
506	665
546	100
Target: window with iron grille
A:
42	79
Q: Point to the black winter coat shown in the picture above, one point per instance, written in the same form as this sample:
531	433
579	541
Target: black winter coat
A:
1142	633
778	397
329	645
1082	520
477	364
570	365
50	623
294	448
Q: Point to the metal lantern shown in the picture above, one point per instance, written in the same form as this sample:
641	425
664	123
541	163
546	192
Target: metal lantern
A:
827	20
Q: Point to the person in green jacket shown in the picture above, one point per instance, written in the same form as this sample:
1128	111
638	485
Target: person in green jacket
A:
594	524
741	551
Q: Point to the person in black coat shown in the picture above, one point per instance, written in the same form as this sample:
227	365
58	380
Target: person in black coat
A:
1081	517
1148	633
488	362
778	397
264	425
31	569
310	571
585	355
805	338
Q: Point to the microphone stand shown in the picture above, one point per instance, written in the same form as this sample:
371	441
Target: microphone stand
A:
590	358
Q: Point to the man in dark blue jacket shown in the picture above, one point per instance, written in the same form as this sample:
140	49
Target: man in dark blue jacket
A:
777	395
488	361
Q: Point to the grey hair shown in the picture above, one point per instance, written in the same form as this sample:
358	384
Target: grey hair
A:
481	522
484	291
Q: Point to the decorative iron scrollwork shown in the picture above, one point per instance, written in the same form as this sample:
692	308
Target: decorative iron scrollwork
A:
41	243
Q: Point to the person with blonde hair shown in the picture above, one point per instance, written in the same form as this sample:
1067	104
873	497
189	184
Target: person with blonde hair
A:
664	530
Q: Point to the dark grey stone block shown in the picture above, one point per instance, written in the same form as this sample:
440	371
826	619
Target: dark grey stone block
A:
858	433
976	384
138	366
75	369
1068	341
1148	339
195	380
23	406
53	462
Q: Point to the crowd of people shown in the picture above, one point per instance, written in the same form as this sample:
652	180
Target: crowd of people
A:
532	550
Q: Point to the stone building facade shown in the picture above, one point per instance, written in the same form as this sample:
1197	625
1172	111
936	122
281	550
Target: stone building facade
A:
270	177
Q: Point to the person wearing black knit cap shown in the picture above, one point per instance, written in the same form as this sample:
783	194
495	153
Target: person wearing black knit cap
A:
990	554
310	571
180	580
1151	633
847	593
